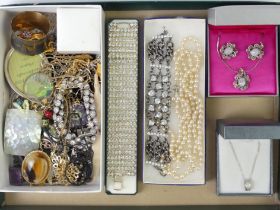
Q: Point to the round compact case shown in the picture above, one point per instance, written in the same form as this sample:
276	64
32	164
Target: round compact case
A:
30	31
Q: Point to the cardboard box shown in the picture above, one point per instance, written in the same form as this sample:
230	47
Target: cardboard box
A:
6	13
243	26
244	151
179	28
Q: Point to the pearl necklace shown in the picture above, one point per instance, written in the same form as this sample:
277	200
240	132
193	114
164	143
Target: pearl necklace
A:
186	145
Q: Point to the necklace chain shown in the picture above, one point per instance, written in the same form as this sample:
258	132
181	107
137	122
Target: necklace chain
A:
239	164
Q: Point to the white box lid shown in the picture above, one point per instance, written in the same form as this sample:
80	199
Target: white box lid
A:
18	2
244	15
23	2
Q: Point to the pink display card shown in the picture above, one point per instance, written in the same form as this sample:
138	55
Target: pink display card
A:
263	77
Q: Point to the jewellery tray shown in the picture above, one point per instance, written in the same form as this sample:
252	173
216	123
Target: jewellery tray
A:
96	184
216	108
196	28
233	23
248	133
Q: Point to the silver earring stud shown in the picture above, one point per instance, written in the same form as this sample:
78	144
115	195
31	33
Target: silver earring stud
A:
228	51
255	51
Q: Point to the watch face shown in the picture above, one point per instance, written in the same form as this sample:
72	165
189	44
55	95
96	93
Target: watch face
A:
19	67
38	86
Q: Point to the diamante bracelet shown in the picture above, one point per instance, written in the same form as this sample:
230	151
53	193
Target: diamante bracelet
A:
122	100
160	53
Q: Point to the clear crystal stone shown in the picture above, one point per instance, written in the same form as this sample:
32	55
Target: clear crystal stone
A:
59	119
228	51
164	122
151	93
86	92
151	122
90	124
165	79
61	125
158	86
242	82
93	131
56	110
57	102
153	78
95	121
151	108
255	52
86	86
86	105
157	101
92	107
86	98
164	109
159	115
68	136
92	113
59	96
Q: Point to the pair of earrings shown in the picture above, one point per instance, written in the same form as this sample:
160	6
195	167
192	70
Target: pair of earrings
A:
254	52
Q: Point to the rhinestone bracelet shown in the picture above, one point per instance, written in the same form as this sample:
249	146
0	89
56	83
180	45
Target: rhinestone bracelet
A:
122	100
160	53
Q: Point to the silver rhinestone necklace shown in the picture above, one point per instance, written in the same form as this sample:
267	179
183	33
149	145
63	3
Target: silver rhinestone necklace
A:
160	53
241	78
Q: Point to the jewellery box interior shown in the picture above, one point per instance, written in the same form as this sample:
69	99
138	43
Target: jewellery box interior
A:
254	35
216	108
6	15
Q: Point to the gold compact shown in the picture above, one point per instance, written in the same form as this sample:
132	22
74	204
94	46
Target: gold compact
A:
36	167
30	30
19	67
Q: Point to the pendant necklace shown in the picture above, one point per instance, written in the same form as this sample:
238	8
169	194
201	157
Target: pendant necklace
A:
247	181
241	78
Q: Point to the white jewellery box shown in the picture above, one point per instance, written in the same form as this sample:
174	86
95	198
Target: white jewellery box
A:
179	29
244	157
6	14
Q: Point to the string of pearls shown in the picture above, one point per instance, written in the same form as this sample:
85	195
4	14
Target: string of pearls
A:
186	145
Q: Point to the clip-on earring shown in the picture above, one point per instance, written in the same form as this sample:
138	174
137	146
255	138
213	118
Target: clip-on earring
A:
255	51
228	51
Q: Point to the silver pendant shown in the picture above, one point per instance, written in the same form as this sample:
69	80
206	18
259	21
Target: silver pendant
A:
241	80
248	184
